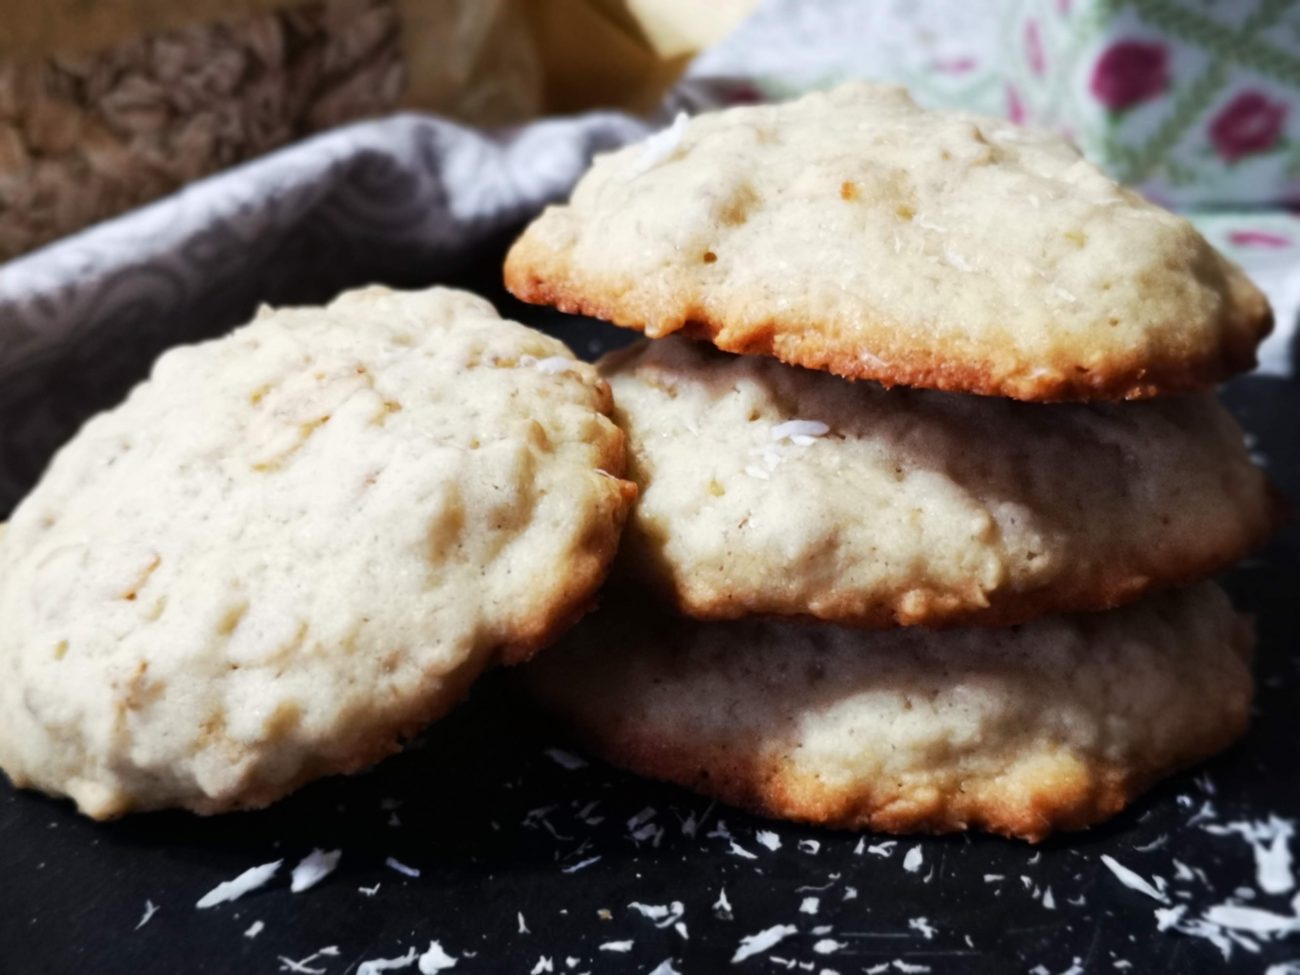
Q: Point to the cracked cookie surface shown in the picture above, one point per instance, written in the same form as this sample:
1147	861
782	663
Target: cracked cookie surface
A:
855	232
770	489
1057	724
293	546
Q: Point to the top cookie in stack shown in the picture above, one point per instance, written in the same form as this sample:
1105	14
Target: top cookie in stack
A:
855	232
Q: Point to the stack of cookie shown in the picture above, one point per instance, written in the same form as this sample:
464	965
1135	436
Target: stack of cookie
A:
964	594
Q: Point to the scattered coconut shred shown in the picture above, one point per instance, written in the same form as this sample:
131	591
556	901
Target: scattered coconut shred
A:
230	890
1186	903
430	962
314	867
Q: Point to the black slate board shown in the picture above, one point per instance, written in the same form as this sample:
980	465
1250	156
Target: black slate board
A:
506	838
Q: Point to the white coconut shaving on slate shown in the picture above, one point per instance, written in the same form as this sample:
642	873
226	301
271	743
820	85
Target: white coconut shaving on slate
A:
313	868
566	760
394	864
150	909
1131	879
230	890
376	965
1270	841
663	915
756	944
435	960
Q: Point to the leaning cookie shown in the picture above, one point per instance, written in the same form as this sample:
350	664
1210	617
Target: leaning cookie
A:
855	232
294	546
770	489
1054	725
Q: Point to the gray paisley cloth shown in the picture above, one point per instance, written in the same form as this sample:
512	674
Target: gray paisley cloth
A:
405	200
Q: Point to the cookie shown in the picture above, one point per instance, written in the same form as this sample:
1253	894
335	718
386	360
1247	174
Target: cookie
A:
292	547
853	231
770	489
1054	725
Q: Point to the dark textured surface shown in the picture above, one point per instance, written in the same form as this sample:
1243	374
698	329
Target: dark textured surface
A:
500	831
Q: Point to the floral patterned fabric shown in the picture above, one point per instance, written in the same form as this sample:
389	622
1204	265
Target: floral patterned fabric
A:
1193	101
1196	102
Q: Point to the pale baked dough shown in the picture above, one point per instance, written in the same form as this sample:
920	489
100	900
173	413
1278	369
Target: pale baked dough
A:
1054	725
915	506
293	546
855	232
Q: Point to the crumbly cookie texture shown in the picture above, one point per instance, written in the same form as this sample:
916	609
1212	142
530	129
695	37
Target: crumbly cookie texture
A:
1054	725
294	546
856	232
770	489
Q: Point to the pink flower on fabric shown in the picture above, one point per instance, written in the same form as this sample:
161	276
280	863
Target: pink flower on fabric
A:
1015	107
1063	7
1129	73
1034	48
1259	238
1248	124
956	65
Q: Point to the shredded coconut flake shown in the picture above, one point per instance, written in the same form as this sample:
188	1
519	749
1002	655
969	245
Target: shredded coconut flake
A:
722	906
230	890
955	260
912	861
580	865
254	929
394	864
544	964
799	429
658	147
619	946
1132	880
767	838
435	960
923	925
738	850
663	915
313	868
756	944
150	909
1252	919
665	967
828	946
376	965
810	905
566	760
1270	842
553	364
